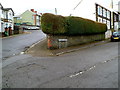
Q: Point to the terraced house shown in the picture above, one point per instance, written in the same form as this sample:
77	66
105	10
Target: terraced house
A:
6	21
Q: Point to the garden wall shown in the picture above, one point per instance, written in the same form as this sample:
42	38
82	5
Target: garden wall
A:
69	31
56	41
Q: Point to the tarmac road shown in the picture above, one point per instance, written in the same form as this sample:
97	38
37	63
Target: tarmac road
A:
14	45
94	67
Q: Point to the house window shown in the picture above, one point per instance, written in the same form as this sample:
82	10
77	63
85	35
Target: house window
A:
6	15
99	10
104	21
10	14
108	14
104	13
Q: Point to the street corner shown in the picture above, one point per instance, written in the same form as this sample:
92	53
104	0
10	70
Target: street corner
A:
39	49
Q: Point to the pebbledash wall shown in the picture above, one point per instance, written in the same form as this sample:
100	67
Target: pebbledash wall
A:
56	42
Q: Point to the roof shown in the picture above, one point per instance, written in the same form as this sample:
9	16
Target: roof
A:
30	12
6	9
1	6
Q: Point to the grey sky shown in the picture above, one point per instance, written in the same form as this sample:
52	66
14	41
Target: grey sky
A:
64	7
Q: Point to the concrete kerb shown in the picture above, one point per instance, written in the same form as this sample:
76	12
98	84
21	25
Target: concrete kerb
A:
34	45
59	52
88	46
15	35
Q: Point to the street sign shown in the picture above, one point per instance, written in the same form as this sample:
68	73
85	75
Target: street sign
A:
62	40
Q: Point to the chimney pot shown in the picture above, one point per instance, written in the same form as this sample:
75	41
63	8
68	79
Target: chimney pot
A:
32	10
35	11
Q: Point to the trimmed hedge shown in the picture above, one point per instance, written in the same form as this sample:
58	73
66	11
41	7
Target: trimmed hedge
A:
59	25
53	24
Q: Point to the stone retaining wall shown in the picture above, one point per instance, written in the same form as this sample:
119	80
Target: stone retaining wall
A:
55	42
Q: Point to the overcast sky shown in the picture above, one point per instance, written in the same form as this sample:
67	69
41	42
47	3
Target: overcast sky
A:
64	7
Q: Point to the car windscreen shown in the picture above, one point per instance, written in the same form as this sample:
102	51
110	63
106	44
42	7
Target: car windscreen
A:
116	33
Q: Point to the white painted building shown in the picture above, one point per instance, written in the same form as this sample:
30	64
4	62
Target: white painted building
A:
87	10
6	18
38	20
1	17
119	14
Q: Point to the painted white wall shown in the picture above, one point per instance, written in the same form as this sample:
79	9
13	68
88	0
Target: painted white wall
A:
38	20
119	6
119	15
9	15
3	15
1	22
0	18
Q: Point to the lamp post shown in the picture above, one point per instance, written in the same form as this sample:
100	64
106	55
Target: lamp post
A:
115	16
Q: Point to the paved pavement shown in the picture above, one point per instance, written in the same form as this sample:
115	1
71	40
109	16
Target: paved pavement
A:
14	45
40	49
94	66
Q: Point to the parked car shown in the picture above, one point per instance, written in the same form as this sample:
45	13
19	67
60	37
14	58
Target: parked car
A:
115	36
32	28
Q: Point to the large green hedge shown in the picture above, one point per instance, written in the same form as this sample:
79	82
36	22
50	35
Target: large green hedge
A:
59	25
53	24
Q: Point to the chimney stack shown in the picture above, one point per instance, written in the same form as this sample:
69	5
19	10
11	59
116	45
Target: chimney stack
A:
32	10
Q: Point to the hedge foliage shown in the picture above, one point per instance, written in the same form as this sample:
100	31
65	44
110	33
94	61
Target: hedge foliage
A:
59	25
53	24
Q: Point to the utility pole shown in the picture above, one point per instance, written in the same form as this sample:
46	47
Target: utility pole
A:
56	11
112	20
111	4
77	6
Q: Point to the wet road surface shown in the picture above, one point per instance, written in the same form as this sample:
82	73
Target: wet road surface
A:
12	46
94	67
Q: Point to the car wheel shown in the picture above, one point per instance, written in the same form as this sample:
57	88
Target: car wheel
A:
112	40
